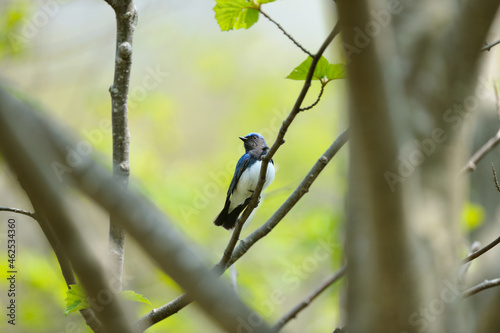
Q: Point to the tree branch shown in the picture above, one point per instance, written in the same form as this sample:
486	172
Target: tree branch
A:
180	302
184	300
25	146
288	121
299	192
489	46
481	152
18	211
305	302
62	259
480	287
317	99
286	33
126	20
489	145
481	251
495	179
47	147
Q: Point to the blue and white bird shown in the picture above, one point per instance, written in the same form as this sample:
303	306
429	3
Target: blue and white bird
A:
245	179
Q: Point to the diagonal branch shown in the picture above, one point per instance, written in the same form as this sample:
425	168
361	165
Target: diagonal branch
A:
153	231
481	251
307	301
286	124
18	211
26	148
303	188
480	287
64	264
184	300
488	146
286	33
489	46
180	302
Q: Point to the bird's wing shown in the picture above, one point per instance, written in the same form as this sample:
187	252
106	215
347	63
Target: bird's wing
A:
240	167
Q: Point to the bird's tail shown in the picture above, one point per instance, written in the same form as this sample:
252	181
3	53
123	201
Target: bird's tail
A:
228	219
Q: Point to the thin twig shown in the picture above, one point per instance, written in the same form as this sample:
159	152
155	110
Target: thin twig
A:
481	251
489	46
495	177
476	246
481	152
317	100
306	301
62	259
286	33
497	103
221	266
480	287
492	142
18	211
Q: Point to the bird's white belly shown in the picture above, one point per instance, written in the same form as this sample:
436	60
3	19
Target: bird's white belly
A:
248	182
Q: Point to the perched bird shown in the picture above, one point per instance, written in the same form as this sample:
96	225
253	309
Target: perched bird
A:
245	179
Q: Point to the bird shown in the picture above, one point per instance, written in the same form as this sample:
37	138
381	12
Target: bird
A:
245	179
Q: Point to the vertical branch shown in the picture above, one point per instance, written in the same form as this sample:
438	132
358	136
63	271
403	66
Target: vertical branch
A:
126	19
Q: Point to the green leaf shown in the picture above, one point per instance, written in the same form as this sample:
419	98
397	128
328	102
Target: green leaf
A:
472	216
264	1
131	295
324	71
236	14
76	299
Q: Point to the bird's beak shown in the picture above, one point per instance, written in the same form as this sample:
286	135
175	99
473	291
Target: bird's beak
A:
243	138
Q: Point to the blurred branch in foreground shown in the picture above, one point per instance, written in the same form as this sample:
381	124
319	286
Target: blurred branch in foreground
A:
33	153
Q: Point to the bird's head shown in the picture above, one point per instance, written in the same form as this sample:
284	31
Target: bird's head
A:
254	141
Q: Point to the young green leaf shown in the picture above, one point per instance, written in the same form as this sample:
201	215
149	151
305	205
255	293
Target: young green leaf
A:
131	295
76	299
324	71
236	14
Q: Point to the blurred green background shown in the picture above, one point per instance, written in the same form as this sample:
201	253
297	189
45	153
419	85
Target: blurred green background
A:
194	90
